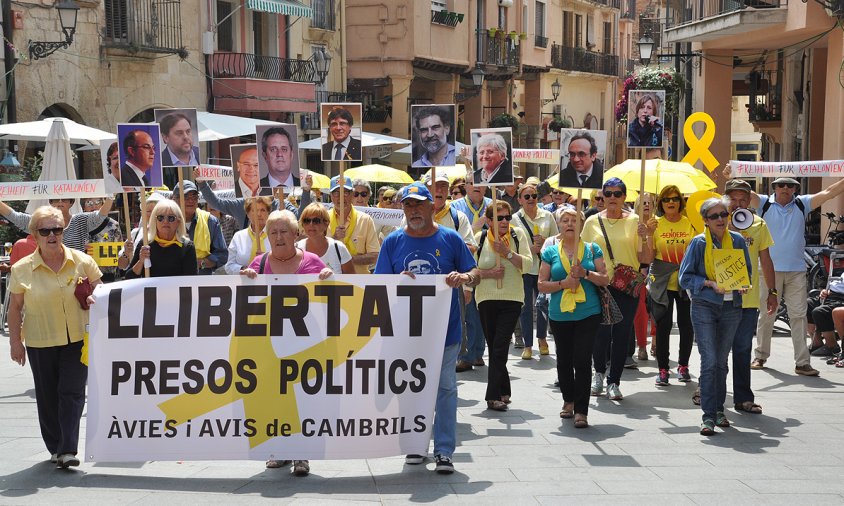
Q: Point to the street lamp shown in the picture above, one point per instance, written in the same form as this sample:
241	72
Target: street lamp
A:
555	92
321	60
477	80
68	11
646	48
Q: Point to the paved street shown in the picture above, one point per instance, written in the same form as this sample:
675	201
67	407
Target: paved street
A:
644	449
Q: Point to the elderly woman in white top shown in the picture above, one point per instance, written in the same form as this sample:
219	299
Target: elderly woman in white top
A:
252	240
334	254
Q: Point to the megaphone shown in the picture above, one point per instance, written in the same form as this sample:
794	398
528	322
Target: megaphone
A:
742	219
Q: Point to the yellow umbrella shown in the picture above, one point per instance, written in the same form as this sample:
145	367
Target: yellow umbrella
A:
453	172
379	173
320	181
632	194
659	174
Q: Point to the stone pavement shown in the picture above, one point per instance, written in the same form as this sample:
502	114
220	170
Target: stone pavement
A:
643	450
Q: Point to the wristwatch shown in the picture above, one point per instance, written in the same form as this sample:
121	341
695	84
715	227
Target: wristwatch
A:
773	291
509	255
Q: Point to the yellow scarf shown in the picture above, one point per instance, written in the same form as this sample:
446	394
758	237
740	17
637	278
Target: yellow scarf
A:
256	241
164	243
570	298
708	257
506	239
347	240
445	210
477	213
202	234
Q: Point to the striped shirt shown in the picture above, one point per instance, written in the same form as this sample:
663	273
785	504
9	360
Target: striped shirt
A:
76	233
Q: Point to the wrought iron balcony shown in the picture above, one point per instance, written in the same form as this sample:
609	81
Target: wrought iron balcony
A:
700	10
144	26
446	18
629	11
252	66
500	50
310	121
765	92
581	60
540	41
615	4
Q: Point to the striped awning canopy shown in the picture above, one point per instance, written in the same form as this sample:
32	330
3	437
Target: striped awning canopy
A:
284	7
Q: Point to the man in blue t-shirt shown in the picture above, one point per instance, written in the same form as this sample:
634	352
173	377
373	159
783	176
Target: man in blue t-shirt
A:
423	247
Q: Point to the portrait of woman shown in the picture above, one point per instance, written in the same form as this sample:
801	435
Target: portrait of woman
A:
645	115
492	157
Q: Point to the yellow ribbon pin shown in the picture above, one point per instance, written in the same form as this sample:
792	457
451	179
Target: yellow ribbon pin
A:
699	146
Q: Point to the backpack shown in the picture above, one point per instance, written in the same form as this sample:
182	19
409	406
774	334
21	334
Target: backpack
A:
767	205
483	239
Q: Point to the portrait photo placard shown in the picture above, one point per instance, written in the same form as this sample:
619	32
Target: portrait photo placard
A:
179	137
278	156
432	128
110	159
645	113
246	171
140	165
340	129
492	156
582	154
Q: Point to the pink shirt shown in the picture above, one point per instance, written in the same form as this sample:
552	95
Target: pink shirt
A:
310	264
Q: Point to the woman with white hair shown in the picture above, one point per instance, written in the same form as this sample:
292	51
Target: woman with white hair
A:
493	165
169	250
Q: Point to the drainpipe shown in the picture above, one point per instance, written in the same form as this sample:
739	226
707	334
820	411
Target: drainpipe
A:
9	62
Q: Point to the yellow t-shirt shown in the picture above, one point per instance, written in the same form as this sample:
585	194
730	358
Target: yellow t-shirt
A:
543	224
758	238
53	314
512	287
670	243
624	239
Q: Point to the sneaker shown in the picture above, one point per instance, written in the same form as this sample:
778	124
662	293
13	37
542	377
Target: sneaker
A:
806	370
662	378
757	364
643	354
613	392
463	366
443	464
301	468
683	374
630	363
527	354
597	384
825	351
520	343
414	459
66	460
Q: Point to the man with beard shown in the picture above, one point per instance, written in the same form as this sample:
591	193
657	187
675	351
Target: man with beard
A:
177	134
433	124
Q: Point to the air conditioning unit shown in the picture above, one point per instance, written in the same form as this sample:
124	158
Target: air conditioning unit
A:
558	111
505	3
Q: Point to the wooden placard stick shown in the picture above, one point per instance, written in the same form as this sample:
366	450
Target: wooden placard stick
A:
143	230
642	153
126	218
499	283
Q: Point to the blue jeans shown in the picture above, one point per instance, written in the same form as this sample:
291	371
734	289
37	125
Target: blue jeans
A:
742	346
474	332
715	325
445	410
526	318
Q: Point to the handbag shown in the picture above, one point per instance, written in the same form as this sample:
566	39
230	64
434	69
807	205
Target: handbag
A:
625	278
82	291
610	312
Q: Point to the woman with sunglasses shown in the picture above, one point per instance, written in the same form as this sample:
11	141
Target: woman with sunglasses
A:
52	333
673	233
457	190
715	312
570	271
538	224
77	233
499	308
333	253
596	204
250	242
170	252
623	238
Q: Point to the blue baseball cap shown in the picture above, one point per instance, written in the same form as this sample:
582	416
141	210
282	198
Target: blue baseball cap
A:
416	191
335	183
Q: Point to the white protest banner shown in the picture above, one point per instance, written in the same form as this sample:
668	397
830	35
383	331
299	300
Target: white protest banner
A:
381	216
279	367
29	190
823	168
545	156
222	176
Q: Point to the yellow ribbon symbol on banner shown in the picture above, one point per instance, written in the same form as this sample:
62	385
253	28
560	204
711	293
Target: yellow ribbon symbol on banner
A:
699	146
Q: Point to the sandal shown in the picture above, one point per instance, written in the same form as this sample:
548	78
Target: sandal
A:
840	363
749	407
721	420
707	428
496	405
696	397
580	421
568	410
275	464
833	359
506	399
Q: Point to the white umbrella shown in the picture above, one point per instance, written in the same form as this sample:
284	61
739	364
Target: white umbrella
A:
39	130
57	164
367	140
403	156
214	127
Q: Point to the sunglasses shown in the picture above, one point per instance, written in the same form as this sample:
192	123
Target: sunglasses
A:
92	203
666	200
458	194
530	196
59	201
617	193
170	218
502	217
785	185
715	216
45	232
386	199
599	199
315	221
557	192
361	194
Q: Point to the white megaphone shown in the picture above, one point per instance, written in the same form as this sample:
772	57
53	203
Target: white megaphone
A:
742	219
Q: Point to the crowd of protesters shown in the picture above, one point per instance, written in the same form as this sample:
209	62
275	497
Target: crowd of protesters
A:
517	266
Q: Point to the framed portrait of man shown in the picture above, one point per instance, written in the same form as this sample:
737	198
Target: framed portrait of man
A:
341	127
492	156
246	171
140	165
645	110
582	154
179	137
278	156
432	128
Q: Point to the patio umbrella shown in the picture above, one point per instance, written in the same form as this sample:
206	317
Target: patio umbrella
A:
57	164
379	174
659	174
367	140
453	172
38	131
321	181
403	156
214	127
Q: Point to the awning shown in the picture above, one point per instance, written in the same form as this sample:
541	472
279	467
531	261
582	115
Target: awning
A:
283	7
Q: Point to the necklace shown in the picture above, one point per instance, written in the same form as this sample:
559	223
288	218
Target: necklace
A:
285	259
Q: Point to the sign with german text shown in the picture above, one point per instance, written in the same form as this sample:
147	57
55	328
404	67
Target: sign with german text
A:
822	168
30	190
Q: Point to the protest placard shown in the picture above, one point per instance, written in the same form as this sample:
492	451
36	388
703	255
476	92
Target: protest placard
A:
822	168
105	253
222	176
730	269
30	190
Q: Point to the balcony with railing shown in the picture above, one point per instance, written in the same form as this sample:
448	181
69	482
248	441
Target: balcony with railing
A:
540	41
615	4
628	10
371	113
581	60
499	50
243	80
703	20
765	92
143	26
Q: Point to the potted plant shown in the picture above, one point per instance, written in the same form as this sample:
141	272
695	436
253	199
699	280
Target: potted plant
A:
558	123
514	35
492	32
523	36
504	120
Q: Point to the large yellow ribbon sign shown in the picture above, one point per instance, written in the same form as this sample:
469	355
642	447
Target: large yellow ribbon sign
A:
699	146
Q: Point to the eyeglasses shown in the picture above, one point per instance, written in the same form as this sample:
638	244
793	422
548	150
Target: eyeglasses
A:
456	194
557	192
617	194
361	194
92	203
386	199
785	185
191	196
530	196
148	147
715	216
666	200
170	218
315	221
59	201
578	154
599	199
502	217
45	232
